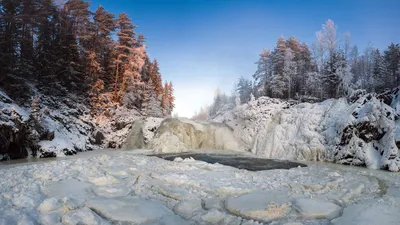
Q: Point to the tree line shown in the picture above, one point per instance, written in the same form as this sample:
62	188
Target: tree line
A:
329	68
65	48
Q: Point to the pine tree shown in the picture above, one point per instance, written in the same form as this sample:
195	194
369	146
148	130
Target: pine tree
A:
27	27
244	89
69	68
337	76
125	47
278	82
380	72
155	76
165	100
392	58
289	71
264	72
10	10
104	25
78	11
46	44
171	97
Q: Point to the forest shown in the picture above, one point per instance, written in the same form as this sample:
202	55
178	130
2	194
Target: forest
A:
331	67
62	48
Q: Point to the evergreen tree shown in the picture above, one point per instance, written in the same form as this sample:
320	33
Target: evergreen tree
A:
289	71
46	42
244	89
26	46
392	57
380	73
10	10
125	48
263	75
104	25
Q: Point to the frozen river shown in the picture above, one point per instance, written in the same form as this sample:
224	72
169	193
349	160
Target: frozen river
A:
127	187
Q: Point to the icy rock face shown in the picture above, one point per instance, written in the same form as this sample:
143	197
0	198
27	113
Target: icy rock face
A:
15	138
115	123
177	135
142	133
273	128
363	131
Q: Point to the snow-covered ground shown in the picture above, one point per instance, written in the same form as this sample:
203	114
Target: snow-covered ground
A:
124	187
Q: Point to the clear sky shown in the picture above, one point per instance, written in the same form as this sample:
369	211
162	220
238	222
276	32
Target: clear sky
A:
202	45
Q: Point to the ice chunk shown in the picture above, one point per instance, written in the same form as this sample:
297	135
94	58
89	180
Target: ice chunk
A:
49	204
133	210
316	209
83	216
115	191
370	213
188	208
67	188
213	217
261	205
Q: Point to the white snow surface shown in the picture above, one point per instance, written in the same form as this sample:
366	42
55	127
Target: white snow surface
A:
274	128
124	187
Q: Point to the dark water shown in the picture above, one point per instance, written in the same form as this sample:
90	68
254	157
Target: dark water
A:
240	162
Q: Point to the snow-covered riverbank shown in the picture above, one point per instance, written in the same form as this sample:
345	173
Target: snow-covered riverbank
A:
126	187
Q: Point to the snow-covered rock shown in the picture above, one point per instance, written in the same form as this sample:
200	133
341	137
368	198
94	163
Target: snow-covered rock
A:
15	140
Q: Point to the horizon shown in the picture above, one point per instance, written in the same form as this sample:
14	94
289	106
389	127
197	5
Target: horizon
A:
204	45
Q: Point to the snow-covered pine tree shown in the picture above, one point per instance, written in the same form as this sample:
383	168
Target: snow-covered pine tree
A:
289	71
164	100
262	76
244	89
380	72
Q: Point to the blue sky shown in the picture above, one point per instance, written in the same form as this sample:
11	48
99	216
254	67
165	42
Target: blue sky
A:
202	45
